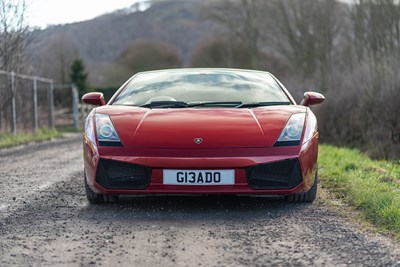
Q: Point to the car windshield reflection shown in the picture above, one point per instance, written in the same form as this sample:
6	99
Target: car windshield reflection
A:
227	88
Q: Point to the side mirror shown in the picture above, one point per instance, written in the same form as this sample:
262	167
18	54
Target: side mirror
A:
312	98
94	98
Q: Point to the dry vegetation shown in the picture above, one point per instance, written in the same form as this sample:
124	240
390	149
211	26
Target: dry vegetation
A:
348	52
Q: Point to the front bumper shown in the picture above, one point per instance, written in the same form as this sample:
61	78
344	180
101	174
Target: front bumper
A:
247	164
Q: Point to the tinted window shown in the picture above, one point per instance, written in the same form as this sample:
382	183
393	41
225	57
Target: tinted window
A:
201	85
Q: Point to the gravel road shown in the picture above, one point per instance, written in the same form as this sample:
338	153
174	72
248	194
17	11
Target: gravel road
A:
45	220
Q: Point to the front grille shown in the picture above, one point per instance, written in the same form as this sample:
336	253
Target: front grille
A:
276	175
113	174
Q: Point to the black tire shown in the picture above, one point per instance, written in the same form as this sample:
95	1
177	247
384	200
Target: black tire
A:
93	197
308	196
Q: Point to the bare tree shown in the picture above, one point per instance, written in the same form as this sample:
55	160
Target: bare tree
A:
13	34
13	39
241	19
309	29
56	62
376	25
376	33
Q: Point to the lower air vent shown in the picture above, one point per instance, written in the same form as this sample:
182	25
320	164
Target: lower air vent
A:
113	174
276	175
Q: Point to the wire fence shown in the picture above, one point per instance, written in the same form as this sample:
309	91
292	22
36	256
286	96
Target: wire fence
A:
29	103
26	102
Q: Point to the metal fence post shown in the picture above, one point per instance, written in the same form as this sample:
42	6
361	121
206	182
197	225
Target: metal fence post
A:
51	104
14	111
75	105
35	107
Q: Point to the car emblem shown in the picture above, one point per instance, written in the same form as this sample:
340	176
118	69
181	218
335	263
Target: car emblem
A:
198	140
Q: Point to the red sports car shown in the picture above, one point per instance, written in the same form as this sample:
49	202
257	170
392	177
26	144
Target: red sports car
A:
201	131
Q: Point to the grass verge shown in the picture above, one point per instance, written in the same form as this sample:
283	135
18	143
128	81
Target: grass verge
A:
8	140
371	186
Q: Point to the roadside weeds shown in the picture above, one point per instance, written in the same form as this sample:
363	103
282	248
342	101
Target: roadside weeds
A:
367	189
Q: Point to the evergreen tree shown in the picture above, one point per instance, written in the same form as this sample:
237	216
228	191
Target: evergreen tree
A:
78	76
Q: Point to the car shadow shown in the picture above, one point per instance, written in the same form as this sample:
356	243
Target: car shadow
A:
199	208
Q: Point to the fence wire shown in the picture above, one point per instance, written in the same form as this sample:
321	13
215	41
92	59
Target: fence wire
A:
29	103
26	103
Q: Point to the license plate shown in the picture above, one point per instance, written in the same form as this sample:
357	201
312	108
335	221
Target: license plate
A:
199	177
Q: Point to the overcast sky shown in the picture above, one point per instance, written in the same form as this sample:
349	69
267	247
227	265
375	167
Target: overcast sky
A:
42	13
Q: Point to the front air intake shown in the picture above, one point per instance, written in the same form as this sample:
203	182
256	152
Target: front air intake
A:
113	174
276	175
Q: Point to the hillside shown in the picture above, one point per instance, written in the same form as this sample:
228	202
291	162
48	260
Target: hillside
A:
177	23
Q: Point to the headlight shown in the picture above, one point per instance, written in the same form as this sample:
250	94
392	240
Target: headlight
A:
106	133
292	132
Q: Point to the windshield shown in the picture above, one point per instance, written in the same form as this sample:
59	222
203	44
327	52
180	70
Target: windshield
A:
201	86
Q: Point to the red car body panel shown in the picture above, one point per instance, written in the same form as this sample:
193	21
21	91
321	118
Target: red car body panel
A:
233	139
219	127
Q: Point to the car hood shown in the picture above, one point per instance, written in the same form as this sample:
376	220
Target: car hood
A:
216	127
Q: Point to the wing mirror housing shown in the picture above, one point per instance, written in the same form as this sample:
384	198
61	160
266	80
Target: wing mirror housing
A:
94	98
312	98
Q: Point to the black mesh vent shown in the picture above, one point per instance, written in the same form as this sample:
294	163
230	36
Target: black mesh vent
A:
113	174
276	175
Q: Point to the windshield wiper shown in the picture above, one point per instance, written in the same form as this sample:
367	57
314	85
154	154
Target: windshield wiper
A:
165	104
235	104
261	104
213	104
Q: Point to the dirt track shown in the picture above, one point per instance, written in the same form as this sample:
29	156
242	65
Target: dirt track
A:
45	220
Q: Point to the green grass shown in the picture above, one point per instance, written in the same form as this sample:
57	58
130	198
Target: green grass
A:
371	186
8	140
